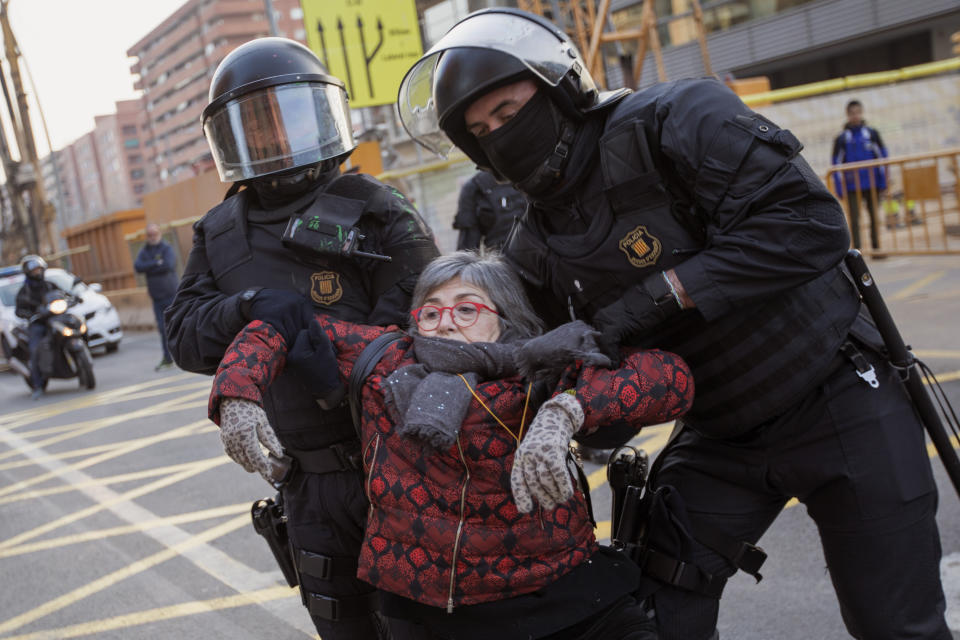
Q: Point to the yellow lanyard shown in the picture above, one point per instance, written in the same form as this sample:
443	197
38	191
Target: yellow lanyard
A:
523	418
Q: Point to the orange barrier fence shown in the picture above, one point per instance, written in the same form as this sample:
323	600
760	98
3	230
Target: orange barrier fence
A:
904	205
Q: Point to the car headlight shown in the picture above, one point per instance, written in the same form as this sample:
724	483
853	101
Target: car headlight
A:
83	328
58	306
67	332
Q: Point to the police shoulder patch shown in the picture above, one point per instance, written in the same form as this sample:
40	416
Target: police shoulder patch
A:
642	249
325	287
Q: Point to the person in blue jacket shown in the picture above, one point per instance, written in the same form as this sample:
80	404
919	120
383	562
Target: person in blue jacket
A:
157	261
857	143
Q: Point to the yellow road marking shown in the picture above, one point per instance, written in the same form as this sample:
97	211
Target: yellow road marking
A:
66	455
102	482
129	446
42	431
932	450
93	399
52	606
946	377
129	496
910	289
96	424
164	613
936	353
139	527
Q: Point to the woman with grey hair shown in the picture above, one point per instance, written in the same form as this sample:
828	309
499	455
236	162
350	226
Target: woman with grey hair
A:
476	527
485	271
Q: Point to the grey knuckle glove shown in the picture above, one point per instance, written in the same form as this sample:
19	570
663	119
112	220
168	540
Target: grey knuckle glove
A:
245	433
540	471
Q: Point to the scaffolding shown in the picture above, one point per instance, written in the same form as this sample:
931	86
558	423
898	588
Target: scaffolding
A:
590	27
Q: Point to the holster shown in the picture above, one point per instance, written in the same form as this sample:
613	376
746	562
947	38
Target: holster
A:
627	467
271	523
655	532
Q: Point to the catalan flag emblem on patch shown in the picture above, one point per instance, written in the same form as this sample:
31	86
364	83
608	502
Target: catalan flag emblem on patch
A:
641	248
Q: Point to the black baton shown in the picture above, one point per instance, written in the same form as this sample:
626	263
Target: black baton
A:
906	363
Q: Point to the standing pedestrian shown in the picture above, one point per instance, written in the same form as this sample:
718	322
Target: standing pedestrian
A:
856	143
676	217
297	236
486	211
157	261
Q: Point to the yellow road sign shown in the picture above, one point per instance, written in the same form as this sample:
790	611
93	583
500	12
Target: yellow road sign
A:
369	44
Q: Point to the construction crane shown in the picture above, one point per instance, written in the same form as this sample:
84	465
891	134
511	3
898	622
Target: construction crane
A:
590	27
31	229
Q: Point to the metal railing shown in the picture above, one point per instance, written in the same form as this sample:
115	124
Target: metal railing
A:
904	205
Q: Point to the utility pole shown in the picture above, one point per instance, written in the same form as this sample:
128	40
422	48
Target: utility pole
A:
271	18
43	212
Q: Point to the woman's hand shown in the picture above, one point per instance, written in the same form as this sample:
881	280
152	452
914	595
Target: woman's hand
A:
243	429
540	464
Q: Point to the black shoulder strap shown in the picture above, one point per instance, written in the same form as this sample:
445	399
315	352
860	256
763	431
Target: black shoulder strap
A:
225	235
364	365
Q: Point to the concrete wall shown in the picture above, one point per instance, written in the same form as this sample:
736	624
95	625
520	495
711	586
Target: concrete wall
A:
912	117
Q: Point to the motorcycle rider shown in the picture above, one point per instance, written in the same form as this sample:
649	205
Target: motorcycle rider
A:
278	124
32	301
678	218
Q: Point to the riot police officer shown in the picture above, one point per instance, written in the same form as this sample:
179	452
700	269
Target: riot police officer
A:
486	211
300	236
676	217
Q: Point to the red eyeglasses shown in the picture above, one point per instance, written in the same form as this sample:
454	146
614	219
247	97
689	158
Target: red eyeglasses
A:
464	315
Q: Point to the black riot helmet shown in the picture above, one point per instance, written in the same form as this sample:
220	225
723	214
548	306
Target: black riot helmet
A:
486	50
30	264
274	108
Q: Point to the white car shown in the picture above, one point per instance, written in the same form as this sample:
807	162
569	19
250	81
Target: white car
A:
103	322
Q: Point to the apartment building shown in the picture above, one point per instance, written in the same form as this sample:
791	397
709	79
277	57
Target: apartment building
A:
174	64
102	171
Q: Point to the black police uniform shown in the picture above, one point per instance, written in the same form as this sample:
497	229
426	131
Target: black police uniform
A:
684	176
486	211
237	246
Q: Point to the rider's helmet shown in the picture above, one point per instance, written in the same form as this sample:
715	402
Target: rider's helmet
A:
33	267
275	109
488	49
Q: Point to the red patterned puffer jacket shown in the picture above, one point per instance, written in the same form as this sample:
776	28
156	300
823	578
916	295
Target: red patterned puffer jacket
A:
443	528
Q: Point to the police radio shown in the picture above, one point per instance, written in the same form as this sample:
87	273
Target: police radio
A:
314	235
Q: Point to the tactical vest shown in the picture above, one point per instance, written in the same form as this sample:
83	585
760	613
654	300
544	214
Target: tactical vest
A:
242	254
748	366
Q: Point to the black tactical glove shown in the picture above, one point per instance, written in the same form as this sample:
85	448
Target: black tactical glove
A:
314	361
287	311
642	307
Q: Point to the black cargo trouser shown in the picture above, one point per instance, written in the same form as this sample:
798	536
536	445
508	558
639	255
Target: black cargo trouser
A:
856	457
326	516
626	619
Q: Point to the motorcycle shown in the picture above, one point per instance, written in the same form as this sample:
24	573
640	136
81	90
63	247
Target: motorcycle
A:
63	353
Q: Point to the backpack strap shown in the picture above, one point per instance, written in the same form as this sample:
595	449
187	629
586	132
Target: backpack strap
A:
363	367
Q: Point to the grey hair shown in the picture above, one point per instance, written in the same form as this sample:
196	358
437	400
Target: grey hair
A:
487	271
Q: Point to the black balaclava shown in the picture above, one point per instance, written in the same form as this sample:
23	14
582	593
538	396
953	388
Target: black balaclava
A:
531	149
278	189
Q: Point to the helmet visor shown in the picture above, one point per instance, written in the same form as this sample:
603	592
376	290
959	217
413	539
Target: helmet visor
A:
278	128
546	54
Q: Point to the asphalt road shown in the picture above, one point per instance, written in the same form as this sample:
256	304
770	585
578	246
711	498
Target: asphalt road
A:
122	518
